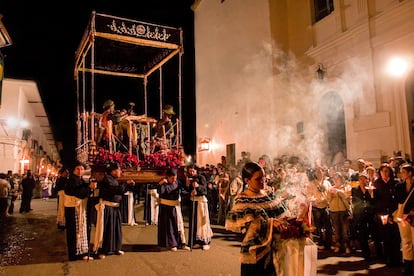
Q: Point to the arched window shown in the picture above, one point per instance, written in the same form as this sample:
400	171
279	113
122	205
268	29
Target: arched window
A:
321	9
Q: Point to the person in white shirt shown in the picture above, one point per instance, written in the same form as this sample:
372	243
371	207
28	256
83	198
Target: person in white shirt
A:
317	194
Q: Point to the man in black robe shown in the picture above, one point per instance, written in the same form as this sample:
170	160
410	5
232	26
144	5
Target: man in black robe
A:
200	232
76	196
168	191
108	235
28	184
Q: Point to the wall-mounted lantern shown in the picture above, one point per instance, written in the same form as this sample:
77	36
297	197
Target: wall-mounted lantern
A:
5	39
320	72
204	144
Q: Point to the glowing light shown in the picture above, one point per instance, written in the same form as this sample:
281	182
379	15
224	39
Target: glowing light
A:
384	219
13	122
397	67
188	158
24	124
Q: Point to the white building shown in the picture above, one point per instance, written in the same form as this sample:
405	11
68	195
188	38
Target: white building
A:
26	139
290	77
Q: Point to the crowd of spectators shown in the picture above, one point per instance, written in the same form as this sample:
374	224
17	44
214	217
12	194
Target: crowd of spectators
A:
14	186
348	200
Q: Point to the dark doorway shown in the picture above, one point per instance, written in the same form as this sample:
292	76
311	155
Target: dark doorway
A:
333	118
231	154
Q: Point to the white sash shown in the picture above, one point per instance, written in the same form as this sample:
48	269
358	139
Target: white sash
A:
100	208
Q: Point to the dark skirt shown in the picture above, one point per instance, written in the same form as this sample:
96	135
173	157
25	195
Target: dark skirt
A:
112	234
168	235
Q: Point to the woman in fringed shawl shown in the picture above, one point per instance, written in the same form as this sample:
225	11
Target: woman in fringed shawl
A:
76	196
405	226
257	215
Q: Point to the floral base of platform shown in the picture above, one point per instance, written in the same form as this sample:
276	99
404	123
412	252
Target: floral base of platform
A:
143	176
148	170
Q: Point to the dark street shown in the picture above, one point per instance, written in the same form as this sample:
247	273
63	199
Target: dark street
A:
31	243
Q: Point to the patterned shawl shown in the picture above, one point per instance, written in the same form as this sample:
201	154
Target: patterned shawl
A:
252	216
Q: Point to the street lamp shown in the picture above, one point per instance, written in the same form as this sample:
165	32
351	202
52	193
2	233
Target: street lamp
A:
5	39
398	67
320	72
13	123
14	145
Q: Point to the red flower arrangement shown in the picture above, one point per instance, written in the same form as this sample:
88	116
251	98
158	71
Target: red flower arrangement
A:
157	160
104	156
297	229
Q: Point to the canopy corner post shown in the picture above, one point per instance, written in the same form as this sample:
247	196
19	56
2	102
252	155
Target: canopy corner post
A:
180	87
161	91
145	95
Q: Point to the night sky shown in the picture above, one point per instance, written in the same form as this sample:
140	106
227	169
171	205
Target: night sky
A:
46	36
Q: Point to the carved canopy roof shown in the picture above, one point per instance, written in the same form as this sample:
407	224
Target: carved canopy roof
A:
118	46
